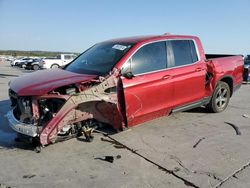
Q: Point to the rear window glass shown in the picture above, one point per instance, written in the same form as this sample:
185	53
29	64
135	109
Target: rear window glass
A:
184	52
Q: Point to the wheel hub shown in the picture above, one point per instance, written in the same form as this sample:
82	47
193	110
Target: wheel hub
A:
221	98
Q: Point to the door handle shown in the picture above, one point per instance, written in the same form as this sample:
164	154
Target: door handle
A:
166	77
199	69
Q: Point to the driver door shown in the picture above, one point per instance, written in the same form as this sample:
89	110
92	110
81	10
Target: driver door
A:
149	92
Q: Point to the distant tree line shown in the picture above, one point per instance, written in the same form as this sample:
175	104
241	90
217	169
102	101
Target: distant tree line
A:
15	53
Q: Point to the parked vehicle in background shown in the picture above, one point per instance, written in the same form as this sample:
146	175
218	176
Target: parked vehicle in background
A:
15	61
21	62
122	83
56	62
246	76
34	64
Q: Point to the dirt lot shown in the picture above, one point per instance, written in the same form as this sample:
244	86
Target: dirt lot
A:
188	149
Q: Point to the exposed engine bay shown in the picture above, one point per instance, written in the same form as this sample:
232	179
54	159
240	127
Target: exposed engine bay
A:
68	111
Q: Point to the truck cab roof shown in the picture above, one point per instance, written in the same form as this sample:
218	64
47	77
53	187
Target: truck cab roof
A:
148	38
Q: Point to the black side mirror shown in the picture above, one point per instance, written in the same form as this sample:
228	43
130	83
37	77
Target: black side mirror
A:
128	75
126	70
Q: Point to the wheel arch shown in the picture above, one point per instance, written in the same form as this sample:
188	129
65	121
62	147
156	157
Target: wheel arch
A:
54	64
229	80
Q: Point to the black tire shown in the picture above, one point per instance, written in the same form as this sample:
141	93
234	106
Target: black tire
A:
220	98
35	67
54	66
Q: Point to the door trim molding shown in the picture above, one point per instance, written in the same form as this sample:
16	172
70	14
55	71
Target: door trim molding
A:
192	105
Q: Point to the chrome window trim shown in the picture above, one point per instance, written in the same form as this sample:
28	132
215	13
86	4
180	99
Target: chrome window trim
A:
196	48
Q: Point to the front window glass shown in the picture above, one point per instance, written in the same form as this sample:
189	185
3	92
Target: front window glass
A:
99	59
151	57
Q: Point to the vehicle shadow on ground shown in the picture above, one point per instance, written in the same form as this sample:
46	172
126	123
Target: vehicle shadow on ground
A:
27	71
22	70
7	135
198	110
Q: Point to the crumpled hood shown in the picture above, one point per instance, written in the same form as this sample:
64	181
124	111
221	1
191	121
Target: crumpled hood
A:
43	81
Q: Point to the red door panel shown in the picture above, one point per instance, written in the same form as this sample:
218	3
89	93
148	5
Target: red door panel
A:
148	96
189	83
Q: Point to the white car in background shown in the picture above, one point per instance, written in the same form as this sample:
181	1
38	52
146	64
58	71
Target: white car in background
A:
16	62
58	61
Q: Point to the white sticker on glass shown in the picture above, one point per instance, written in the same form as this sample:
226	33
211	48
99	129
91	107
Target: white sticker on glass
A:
119	47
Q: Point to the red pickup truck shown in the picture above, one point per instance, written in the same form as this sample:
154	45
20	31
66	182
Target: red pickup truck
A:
122	83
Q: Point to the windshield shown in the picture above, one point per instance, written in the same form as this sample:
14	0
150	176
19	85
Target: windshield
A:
99	59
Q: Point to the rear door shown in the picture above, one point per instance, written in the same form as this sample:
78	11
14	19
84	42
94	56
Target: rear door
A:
190	71
149	93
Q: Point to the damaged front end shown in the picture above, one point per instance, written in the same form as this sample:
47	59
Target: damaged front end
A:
67	111
21	116
30	114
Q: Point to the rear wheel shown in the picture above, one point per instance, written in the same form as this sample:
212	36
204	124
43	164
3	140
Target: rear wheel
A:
35	67
54	66
220	98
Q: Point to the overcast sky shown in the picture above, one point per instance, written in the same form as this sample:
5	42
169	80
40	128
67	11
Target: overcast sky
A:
74	25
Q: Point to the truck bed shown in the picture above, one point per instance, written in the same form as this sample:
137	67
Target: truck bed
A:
227	65
213	56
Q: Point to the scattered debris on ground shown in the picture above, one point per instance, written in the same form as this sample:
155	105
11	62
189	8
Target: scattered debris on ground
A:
28	176
246	116
237	129
109	158
38	149
118	156
196	144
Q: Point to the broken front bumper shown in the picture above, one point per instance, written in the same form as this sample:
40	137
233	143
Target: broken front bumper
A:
26	129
